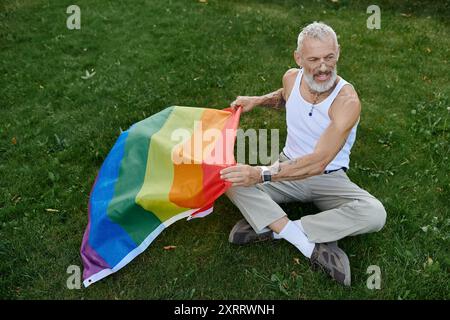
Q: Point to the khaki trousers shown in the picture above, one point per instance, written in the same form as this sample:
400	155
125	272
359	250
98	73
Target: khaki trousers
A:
347	210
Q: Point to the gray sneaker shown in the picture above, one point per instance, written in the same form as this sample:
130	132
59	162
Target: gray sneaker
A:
333	260
243	233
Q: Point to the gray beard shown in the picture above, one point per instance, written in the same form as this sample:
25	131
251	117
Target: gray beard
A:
317	87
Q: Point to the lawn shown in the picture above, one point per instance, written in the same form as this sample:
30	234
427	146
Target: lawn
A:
57	126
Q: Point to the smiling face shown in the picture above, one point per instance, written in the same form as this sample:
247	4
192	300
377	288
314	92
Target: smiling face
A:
318	58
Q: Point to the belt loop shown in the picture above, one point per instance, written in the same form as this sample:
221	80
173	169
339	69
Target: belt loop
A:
283	157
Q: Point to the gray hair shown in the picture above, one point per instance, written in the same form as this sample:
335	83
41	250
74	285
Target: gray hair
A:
316	30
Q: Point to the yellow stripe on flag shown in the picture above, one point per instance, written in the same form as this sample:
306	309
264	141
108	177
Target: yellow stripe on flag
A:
159	175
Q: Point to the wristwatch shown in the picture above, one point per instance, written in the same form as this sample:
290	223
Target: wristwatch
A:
266	175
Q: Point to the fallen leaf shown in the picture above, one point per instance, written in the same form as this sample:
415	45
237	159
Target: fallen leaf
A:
52	210
14	140
425	78
297	260
88	75
428	263
405	14
428	50
169	247
16	199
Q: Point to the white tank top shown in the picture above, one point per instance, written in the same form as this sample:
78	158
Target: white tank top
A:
304	131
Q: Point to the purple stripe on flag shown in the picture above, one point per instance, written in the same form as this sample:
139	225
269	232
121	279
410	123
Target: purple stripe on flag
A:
92	262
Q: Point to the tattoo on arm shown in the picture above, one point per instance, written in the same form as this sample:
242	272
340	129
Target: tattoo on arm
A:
283	164
274	99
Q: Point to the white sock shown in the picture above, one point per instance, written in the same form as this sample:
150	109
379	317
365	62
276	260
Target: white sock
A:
297	222
277	236
292	233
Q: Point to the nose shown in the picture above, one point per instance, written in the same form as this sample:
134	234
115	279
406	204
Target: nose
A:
323	67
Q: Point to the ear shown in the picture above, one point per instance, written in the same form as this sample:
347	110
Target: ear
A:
298	58
338	52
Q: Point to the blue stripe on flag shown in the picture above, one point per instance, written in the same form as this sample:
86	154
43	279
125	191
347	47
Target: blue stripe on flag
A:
105	230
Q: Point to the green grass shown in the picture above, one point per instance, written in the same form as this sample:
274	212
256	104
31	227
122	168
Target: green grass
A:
56	129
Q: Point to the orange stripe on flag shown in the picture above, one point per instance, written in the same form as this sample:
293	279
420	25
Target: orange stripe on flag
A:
187	187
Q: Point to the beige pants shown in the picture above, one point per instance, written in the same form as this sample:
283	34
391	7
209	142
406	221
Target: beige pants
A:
347	210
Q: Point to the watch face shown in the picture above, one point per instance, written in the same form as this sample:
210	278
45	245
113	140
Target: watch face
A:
267	176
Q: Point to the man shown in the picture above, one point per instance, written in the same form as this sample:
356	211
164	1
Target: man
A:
322	114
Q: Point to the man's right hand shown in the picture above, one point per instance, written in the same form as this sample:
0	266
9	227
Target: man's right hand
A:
247	103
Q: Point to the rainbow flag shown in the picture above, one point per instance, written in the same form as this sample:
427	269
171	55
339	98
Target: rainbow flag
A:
162	169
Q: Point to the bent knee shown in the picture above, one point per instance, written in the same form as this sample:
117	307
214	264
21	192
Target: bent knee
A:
375	214
232	191
237	191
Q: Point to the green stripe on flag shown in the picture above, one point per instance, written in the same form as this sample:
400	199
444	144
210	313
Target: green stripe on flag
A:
123	209
154	195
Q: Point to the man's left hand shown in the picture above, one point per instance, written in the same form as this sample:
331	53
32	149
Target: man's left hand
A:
241	175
